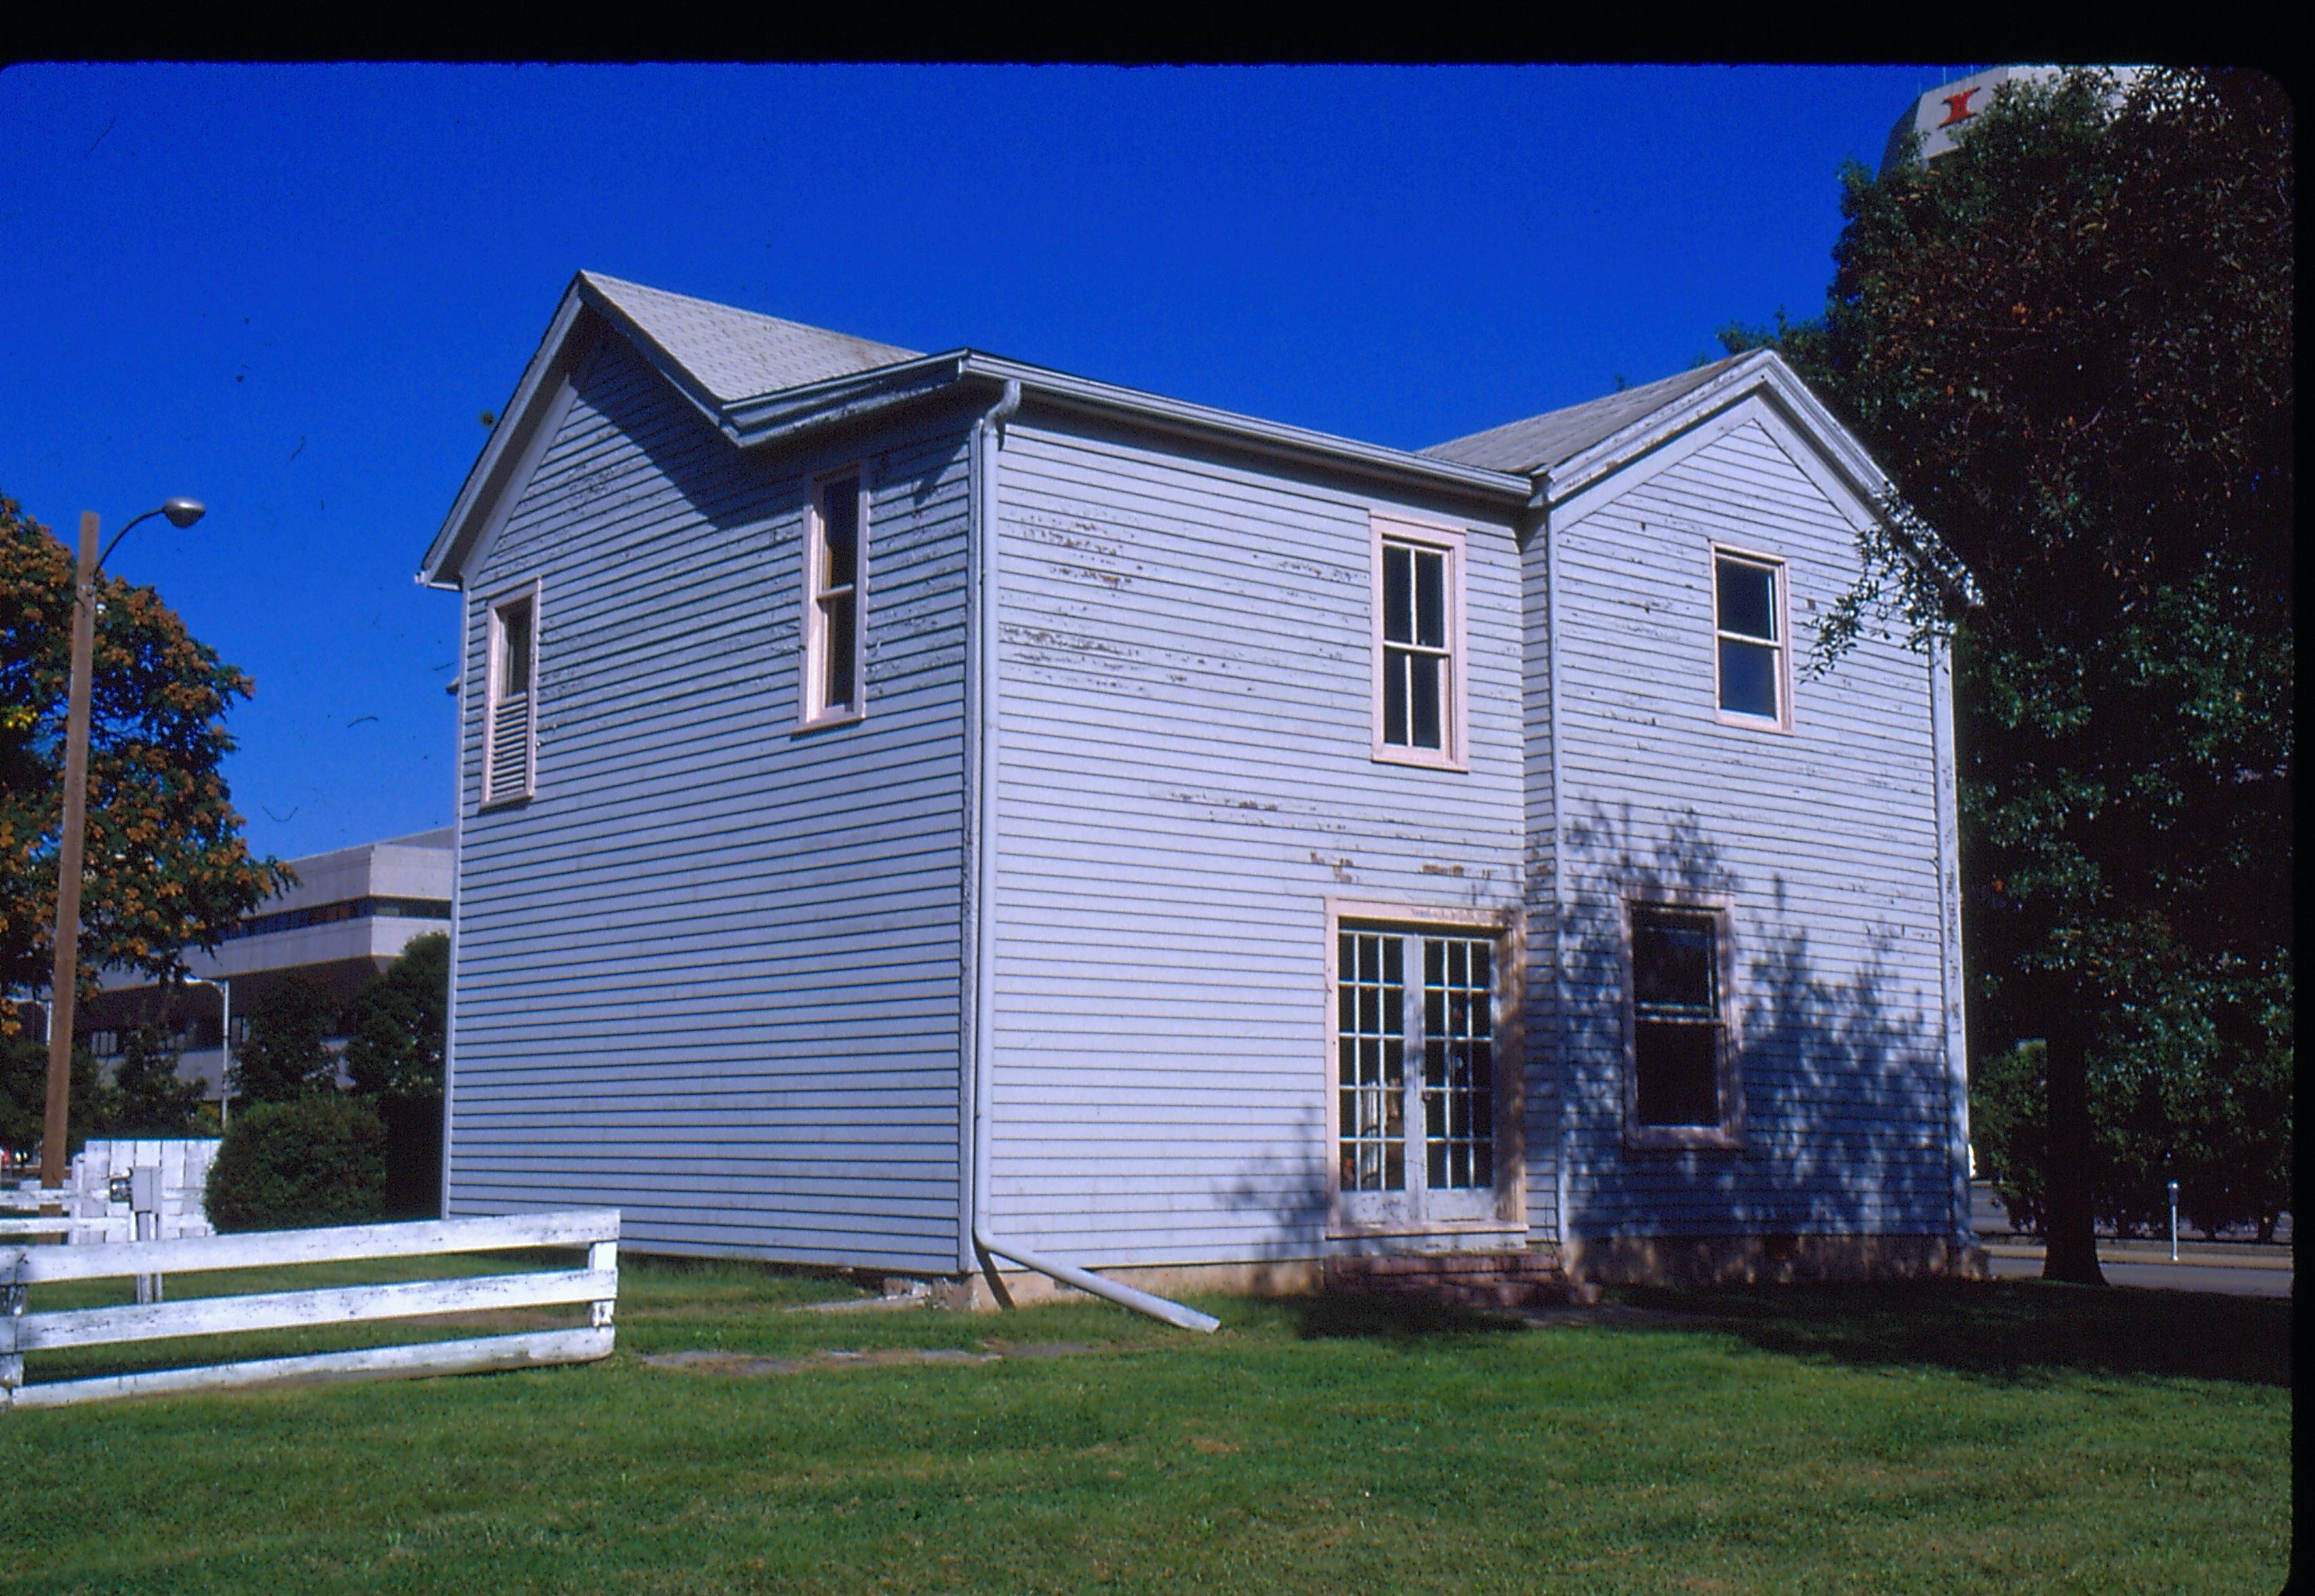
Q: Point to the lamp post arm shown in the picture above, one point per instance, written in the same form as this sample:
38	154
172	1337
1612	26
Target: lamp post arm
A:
115	544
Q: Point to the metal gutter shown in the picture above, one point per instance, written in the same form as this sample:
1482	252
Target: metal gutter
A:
988	439
1275	438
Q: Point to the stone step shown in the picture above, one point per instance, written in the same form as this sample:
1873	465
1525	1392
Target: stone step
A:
1521	1278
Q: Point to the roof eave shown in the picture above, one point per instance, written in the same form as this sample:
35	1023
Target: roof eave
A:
505	448
772	417
762	419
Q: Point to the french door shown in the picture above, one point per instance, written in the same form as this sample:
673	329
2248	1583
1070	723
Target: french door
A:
1415	1045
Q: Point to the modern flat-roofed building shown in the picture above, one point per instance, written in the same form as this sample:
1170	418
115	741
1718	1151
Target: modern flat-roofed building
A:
349	916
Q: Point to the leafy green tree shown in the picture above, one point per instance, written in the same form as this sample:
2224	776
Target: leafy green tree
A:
167	866
395	1029
395	1025
149	1099
286	1054
24	1094
2071	345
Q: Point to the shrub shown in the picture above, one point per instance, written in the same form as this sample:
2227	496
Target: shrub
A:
414	1156
316	1161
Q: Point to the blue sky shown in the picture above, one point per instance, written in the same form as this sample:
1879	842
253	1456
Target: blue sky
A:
291	292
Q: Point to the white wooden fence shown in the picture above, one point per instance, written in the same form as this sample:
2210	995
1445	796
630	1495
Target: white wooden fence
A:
597	1284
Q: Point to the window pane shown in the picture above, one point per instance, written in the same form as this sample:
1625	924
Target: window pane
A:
839	521
1397	593
1748	678
1457	1066
1674	962
1747	599
839	639
1431	598
1674	1065
514	650
1371	1010
1394	696
1425	673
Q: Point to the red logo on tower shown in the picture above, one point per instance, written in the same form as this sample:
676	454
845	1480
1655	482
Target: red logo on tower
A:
1958	107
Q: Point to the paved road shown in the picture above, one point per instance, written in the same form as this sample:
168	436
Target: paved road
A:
2236	1279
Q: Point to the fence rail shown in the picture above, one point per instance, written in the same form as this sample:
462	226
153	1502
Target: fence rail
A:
597	1284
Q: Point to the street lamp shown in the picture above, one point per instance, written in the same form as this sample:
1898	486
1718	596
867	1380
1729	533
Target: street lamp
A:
224	985
181	513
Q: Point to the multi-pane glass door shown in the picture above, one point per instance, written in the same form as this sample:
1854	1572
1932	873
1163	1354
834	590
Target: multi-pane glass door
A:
1415	1052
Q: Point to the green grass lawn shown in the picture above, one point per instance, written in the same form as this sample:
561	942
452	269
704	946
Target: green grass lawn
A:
1942	1437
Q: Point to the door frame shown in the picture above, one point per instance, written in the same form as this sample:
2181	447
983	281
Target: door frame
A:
1507	927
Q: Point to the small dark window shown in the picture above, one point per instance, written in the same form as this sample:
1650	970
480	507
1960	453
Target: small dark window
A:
514	650
1416	655
834	672
1752	648
1677	1040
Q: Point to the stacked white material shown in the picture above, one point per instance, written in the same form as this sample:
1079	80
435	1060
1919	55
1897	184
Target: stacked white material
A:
184	1166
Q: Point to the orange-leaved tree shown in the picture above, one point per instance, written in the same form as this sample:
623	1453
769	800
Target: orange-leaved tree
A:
167	867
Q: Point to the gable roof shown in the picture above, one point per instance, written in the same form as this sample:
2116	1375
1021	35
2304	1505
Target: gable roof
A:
1564	451
737	354
1541	442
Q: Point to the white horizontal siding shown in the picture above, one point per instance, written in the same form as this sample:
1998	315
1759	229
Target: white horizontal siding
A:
1186	781
1824	839
711	972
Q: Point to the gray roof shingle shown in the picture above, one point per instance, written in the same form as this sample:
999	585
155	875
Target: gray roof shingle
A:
1541	442
737	354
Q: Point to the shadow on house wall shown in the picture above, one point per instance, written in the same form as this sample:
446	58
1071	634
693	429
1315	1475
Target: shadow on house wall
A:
1837	1048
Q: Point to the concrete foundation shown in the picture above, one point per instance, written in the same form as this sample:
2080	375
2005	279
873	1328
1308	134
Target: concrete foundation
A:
1768	1260
1509	1279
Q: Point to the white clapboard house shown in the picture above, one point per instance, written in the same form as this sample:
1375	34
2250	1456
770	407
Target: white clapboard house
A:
917	806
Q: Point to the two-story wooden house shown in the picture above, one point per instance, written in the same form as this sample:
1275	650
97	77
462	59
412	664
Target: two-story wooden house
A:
919	807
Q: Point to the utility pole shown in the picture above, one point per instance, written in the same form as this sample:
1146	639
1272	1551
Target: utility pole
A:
73	839
69	846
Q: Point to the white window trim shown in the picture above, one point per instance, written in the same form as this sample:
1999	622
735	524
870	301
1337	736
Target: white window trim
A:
811	710
494	651
1508	1023
1455	729
1781	602
1728	1075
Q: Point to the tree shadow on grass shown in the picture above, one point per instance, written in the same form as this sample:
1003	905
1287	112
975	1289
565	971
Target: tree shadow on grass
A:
1377	1317
2005	1330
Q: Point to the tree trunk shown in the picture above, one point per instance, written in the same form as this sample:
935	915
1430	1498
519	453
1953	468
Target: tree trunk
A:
2070	1253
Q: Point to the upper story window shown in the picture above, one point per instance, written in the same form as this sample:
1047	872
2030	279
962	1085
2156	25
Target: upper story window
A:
1419	699
1754	668
1681	1067
510	700
835	578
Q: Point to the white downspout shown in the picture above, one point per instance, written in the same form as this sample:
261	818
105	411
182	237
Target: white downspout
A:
988	438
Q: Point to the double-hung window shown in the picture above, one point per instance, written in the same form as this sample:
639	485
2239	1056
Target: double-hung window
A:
1752	664
510	700
835	581
1417	1099
1419	700
1681	1080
